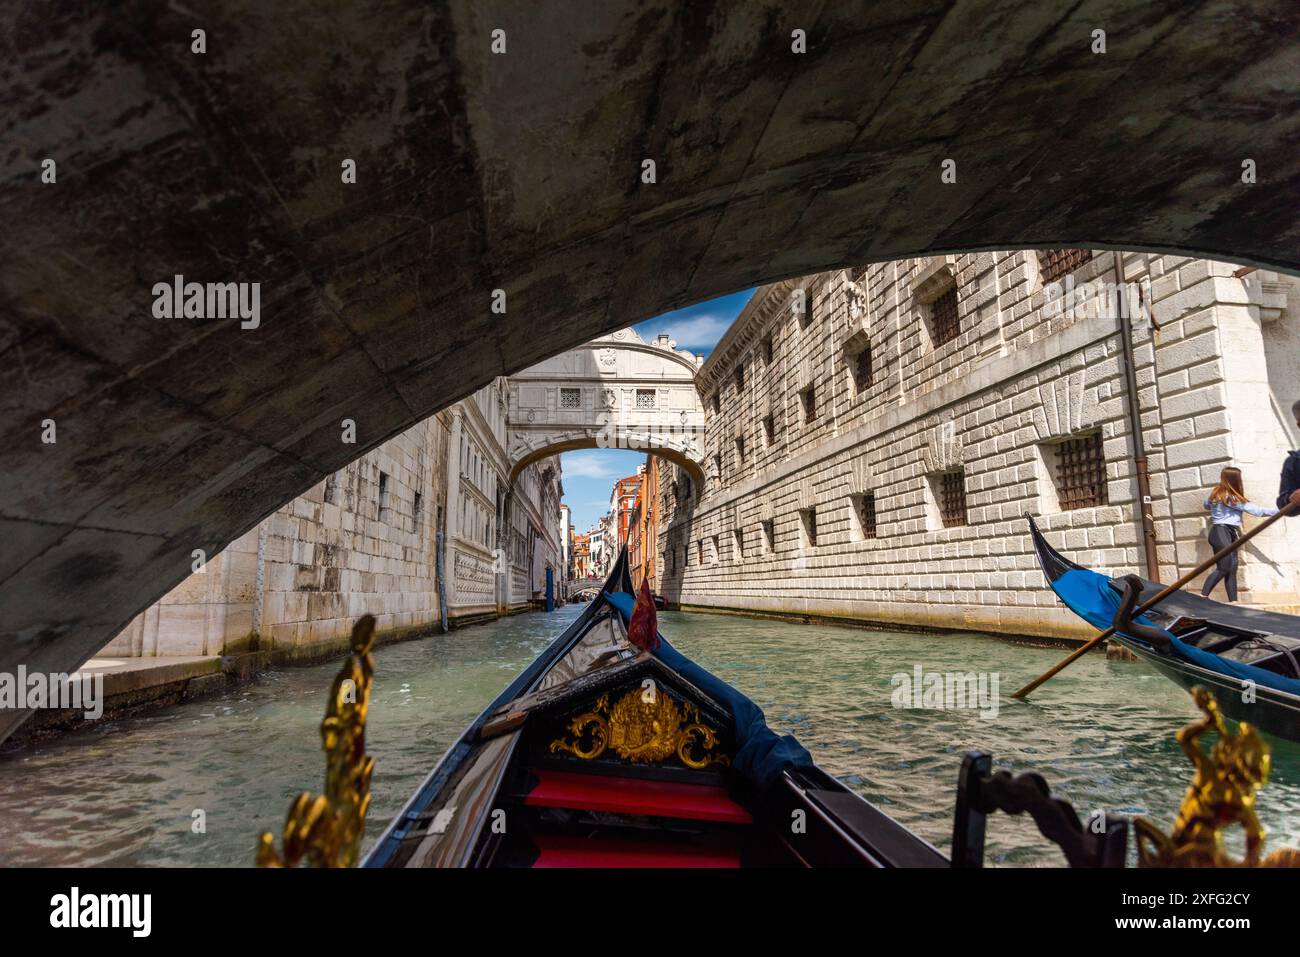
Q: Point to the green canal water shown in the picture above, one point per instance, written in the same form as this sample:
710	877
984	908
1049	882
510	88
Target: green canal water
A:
124	792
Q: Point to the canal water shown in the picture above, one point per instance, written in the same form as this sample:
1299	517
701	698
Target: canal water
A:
126	792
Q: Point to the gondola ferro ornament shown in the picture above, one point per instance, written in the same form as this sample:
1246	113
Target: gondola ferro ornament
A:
326	829
1222	794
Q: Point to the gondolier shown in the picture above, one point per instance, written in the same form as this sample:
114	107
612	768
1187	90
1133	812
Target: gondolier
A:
1290	486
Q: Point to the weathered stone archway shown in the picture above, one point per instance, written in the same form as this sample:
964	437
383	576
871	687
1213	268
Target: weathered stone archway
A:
617	391
523	173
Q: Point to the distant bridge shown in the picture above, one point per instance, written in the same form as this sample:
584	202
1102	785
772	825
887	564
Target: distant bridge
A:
618	391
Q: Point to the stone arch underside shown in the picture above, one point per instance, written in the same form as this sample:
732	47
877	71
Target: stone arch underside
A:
176	434
593	439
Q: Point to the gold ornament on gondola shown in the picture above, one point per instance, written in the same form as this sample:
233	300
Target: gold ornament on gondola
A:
1222	794
644	726
326	829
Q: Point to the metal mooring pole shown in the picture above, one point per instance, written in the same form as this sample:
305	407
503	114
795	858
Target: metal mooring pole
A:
1146	524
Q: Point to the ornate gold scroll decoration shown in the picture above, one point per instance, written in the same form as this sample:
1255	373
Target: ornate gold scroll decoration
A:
326	829
1222	794
645	725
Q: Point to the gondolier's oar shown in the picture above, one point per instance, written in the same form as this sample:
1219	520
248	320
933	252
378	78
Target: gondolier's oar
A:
1155	600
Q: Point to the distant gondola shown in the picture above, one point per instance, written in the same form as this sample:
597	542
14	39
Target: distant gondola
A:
1249	658
603	755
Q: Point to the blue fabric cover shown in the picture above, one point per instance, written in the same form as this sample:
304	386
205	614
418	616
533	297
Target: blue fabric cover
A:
761	754
1089	595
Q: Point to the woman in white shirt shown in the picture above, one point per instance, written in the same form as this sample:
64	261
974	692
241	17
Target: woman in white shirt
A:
1226	502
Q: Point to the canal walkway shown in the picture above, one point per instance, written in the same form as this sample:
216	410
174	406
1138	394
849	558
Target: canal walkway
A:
194	783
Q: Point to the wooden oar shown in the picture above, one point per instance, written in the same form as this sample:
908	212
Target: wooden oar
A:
1155	599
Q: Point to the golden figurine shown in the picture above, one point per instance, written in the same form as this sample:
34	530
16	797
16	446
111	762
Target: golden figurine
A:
1222	794
326	829
645	725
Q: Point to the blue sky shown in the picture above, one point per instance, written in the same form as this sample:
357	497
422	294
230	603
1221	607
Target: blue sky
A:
589	474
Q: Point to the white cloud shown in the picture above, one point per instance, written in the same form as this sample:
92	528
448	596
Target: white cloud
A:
698	333
585	465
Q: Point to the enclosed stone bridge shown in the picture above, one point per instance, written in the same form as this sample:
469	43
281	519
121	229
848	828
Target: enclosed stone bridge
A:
442	193
616	392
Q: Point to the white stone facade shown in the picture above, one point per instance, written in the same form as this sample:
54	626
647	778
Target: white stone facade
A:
778	525
365	541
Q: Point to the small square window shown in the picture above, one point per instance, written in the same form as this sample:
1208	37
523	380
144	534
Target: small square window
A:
383	496
863	373
1077	473
1054	264
645	398
949	491
808	523
809	399
864	508
570	398
945	320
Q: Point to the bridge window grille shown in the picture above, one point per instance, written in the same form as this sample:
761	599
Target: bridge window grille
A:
865	507
1080	472
570	398
645	398
951	489
1054	264
945	321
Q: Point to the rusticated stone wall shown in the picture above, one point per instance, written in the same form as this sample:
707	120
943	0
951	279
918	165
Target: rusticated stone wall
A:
776	528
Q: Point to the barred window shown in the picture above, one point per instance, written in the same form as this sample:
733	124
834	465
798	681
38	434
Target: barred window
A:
740	377
570	398
383	496
737	544
803	307
769	429
768	349
1079	469
699	551
945	322
950	489
809	399
645	398
863	374
865	507
808	518
740	450
1054	264
769	535
717	402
